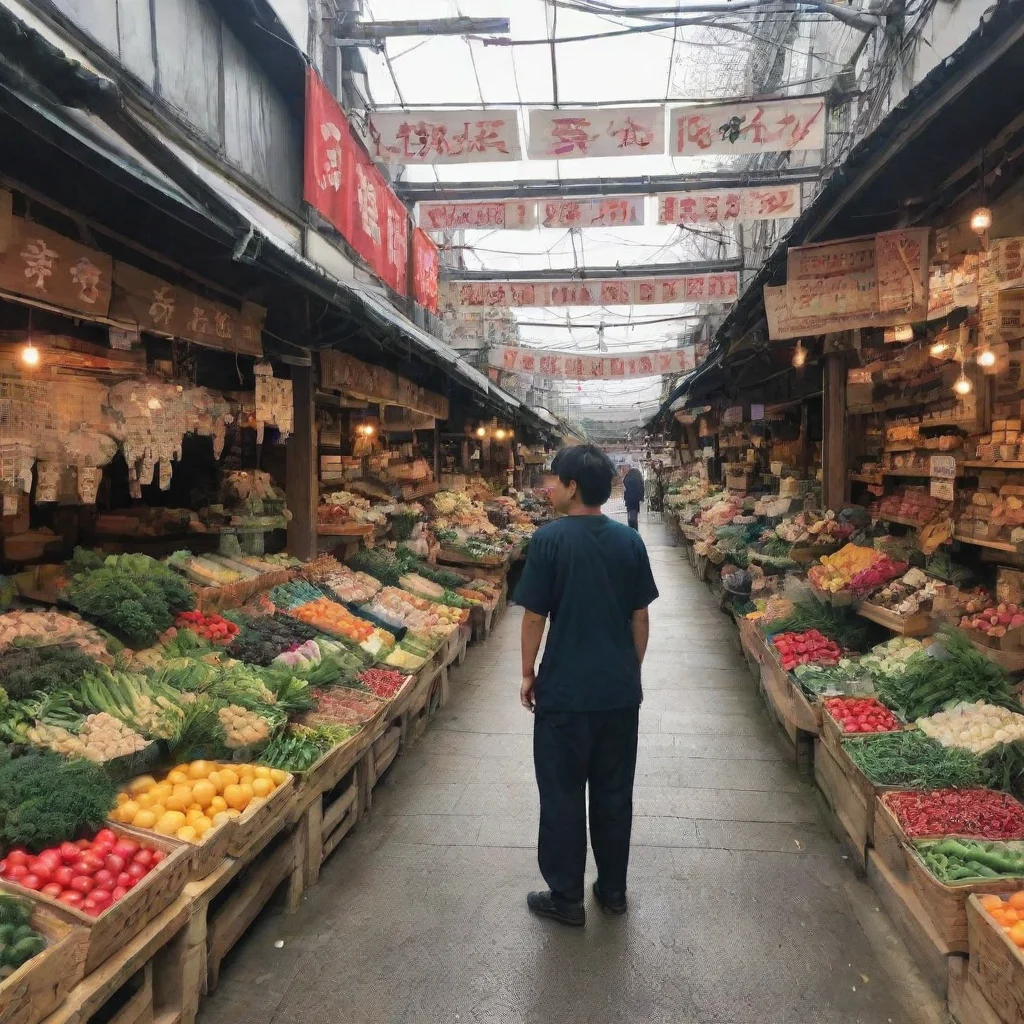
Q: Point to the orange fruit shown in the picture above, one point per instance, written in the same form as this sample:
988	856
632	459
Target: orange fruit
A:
237	798
128	811
170	823
217	804
141	784
158	810
202	826
261	771
143	799
992	902
1017	934
999	916
161	791
122	798
220	817
1016	901
144	819
176	803
229	777
186	833
192	815
278	776
262	787
200	769
177	777
203	792
218	781
1010	916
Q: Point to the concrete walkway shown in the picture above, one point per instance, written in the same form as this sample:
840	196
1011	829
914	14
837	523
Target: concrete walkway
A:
742	909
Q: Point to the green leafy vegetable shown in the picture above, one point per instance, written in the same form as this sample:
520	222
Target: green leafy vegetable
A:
847	630
914	761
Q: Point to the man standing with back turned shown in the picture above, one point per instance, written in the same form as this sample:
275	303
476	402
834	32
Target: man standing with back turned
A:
633	495
591	576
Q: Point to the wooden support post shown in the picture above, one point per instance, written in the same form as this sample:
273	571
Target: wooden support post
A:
805	438
465	457
301	470
834	468
437	450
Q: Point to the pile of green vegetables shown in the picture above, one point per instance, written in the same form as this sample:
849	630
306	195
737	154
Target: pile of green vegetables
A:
134	597
261	640
847	630
960	860
19	941
912	760
45	800
300	747
958	671
27	669
380	564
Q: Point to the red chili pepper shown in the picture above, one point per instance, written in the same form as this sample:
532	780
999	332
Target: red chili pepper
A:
974	813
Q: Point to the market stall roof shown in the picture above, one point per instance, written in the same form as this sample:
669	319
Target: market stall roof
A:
920	152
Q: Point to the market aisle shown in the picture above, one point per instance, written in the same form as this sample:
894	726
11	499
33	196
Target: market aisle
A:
742	908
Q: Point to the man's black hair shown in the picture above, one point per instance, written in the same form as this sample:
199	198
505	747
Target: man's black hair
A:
592	470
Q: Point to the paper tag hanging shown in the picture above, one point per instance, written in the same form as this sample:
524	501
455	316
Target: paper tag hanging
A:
165	475
10	504
89	484
47	481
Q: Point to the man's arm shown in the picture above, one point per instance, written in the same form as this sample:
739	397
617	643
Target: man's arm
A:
640	624
530	639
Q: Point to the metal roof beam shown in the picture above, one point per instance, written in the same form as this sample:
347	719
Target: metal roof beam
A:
598	273
488	191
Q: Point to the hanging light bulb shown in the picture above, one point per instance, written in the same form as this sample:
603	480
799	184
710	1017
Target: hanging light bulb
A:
481	432
986	357
939	349
981	220
962	386
500	434
799	355
30	355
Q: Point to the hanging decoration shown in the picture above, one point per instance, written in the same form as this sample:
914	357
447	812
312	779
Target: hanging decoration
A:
273	402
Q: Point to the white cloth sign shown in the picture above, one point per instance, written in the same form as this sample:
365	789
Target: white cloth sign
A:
611	211
445	136
573	366
507	214
596	131
771	126
630	291
726	206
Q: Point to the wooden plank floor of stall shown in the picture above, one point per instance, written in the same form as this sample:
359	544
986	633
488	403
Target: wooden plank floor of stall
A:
148	981
966	1001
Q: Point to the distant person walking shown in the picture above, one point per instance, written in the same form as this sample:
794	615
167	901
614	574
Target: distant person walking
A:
592	578
633	492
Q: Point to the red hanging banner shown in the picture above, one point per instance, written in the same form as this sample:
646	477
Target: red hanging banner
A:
342	183
426	263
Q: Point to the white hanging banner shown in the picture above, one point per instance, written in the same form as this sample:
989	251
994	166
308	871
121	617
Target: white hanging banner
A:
727	206
596	131
507	214
573	366
445	136
770	126
610	211
630	291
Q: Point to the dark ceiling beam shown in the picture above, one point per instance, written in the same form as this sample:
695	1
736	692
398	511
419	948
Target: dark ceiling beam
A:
598	273
491	191
373	30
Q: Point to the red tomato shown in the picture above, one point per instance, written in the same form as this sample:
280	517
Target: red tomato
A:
126	848
63	876
3	868
18	856
137	871
124	880
51	859
69	853
71	898
114	863
31	882
53	890
84	844
83	884
144	857
104	879
16	872
105	837
89	863
100	900
119	893
41	872
158	855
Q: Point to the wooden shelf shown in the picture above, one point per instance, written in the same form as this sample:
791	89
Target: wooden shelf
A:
867	478
901	522
905	625
1011	661
977	464
995	545
906	472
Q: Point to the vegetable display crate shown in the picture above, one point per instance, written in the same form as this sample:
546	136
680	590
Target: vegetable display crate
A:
851	796
326	822
753	645
345	530
791	710
931	953
383	752
1011	661
257	824
448	557
41	984
223	906
234	595
325	772
944	903
832	735
808	554
145	980
966	1002
904	625
129	915
839	599
995	964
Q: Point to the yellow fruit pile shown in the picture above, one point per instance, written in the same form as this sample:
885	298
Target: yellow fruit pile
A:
836	570
194	798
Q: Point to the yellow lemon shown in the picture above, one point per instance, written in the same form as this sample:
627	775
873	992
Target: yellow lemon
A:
193	815
262	787
128	811
202	826
187	833
176	803
161	791
141	784
158	810
184	789
203	793
218	781
220	817
237	797
233	812
144	819
200	769
143	799
229	777
217	804
122	798
262	772
177	777
278	776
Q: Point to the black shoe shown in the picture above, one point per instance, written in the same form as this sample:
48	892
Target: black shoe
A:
543	904
613	902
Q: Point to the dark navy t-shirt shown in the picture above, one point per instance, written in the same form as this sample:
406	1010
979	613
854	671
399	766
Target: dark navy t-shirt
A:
589	574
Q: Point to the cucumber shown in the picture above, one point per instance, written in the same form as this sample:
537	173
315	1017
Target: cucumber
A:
28	947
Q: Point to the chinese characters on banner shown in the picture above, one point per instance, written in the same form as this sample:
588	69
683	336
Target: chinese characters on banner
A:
573	366
342	372
510	214
725	206
611	211
165	309
341	182
425	268
445	136
605	131
771	126
874	281
640	291
43	265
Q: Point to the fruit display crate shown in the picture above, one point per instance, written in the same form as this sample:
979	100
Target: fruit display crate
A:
995	964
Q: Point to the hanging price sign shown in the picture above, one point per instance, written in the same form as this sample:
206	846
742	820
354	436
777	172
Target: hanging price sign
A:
942	467
941	489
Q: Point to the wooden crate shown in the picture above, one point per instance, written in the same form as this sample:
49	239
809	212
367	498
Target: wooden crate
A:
905	625
223	906
326	822
324	774
140	905
257	824
846	803
206	856
150	962
995	965
912	922
890	842
38	987
384	751
944	904
967	1003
